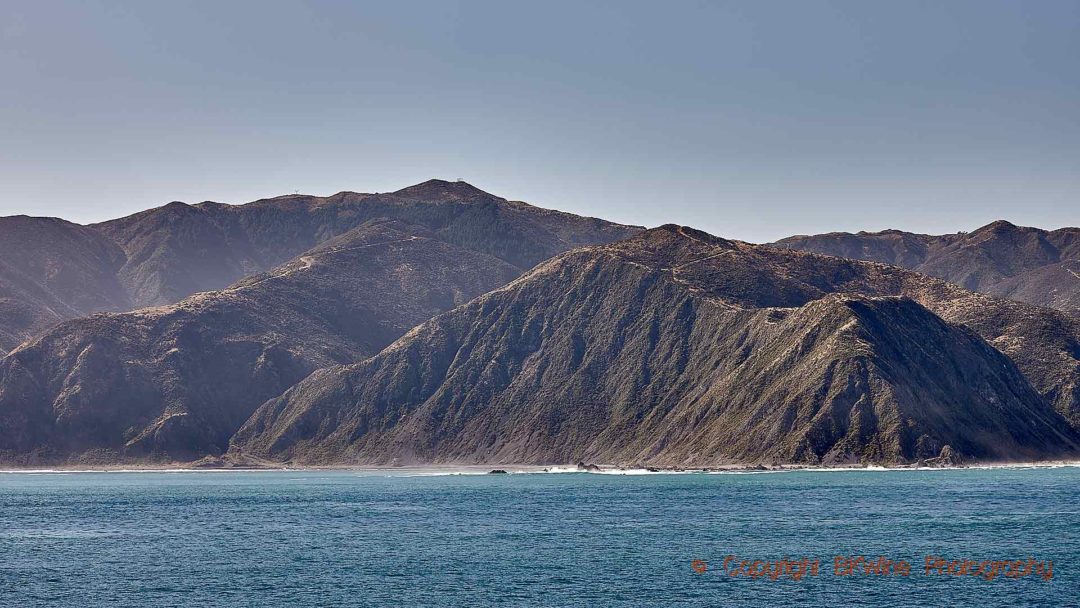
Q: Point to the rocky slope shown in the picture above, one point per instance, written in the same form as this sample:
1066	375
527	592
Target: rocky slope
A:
1026	264
51	270
679	348
178	249
174	382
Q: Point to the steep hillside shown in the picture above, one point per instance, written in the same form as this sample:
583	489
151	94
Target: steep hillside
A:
180	249
175	382
679	348
51	270
1026	264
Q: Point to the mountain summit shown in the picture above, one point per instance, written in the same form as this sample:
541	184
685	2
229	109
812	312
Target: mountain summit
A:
52	270
437	189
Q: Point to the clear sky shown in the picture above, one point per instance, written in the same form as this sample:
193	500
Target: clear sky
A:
751	119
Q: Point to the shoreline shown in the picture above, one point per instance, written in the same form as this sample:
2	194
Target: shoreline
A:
474	469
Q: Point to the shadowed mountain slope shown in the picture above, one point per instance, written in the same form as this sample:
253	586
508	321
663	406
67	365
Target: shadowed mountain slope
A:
178	249
683	349
1026	264
174	382
51	270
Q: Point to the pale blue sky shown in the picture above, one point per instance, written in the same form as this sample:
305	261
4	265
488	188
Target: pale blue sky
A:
752	119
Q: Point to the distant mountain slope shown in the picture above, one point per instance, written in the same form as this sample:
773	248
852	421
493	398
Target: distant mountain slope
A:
51	270
179	249
1026	264
679	348
175	382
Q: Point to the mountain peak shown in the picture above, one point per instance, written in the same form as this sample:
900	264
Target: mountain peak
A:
683	232
438	189
998	226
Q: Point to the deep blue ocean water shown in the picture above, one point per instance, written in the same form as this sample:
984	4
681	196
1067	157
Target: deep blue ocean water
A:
347	538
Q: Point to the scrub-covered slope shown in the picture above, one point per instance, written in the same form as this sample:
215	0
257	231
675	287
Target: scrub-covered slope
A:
178	249
1026	264
176	381
676	348
52	270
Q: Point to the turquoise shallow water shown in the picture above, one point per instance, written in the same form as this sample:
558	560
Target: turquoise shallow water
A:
573	539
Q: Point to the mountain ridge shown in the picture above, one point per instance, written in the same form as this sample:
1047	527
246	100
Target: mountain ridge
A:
1022	263
611	353
836	357
174	381
51	270
161	255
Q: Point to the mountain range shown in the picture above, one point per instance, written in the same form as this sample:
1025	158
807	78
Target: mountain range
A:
677	348
52	270
1001	259
175	381
443	324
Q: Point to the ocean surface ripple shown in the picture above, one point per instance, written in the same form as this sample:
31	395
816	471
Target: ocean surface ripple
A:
372	538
